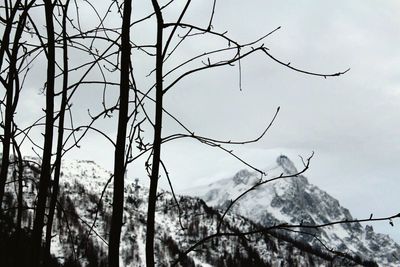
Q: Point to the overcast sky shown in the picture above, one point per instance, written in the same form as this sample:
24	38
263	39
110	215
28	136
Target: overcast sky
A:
350	122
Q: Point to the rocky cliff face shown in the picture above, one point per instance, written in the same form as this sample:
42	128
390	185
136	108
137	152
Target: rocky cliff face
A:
82	222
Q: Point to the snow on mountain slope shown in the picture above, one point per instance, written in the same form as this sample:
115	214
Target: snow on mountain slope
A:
82	222
82	183
296	201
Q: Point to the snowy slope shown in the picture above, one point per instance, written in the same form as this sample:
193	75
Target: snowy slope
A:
82	222
296	201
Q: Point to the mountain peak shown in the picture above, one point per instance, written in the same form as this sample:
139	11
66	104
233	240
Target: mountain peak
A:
286	164
295	201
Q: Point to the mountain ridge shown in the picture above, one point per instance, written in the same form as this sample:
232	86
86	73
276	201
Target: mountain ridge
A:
296	201
85	202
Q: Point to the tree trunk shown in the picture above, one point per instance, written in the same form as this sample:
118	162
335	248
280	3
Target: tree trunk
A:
8	116
5	161
60	139
18	245
11	100
45	172
157	139
119	157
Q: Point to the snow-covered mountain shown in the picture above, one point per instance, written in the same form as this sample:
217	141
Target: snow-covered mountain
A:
294	201
82	222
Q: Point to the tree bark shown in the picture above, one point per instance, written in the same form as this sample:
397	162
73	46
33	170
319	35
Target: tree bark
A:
9	99
19	161
60	138
157	140
5	161
45	172
119	156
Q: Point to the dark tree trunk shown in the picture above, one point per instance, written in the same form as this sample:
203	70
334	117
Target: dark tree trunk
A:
11	100
8	116
16	81
60	138
20	163
157	139
7	32
45	172
119	157
5	161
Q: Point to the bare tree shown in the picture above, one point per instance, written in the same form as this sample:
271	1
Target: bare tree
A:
163	53
60	137
119	156
157	137
45	172
12	82
168	39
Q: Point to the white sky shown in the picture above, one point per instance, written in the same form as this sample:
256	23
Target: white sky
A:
351	122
